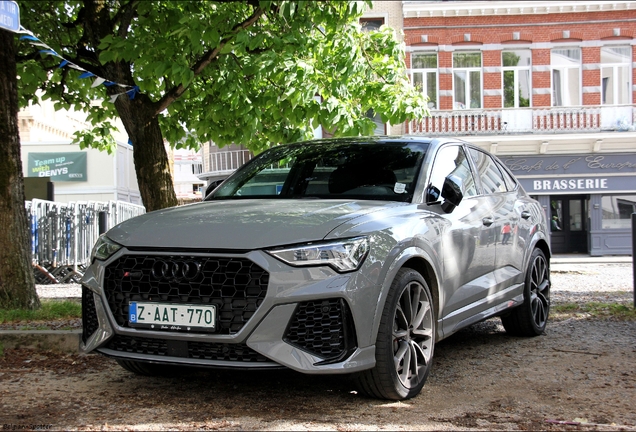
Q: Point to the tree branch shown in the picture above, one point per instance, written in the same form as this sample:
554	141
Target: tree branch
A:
125	16
78	21
176	92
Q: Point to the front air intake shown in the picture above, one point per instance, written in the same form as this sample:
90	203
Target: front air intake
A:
323	328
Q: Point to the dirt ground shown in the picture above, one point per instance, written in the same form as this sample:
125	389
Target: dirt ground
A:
581	371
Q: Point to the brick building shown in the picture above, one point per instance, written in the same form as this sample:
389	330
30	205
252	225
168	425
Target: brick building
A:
548	86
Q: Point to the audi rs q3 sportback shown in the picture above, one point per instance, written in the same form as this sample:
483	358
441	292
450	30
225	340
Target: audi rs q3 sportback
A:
343	256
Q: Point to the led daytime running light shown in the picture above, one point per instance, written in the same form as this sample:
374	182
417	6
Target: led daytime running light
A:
342	255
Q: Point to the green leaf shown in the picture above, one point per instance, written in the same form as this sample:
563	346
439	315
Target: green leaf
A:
227	48
106	56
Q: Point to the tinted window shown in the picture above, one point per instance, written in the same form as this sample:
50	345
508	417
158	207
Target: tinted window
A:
329	169
450	160
492	180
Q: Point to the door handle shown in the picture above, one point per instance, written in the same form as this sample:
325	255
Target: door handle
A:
487	221
525	214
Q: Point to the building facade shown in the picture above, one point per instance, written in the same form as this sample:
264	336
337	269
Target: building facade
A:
548	86
186	166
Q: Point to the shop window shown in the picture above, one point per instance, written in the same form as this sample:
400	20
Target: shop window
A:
424	76
617	211
467	80
516	78
566	77
616	75
556	215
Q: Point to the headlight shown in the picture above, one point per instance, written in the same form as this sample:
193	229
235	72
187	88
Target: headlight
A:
104	248
342	255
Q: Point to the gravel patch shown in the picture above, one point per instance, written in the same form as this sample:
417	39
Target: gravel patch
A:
584	283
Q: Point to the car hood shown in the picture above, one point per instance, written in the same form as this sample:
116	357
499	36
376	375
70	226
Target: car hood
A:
241	224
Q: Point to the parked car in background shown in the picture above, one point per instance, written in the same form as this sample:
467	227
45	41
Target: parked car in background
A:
343	256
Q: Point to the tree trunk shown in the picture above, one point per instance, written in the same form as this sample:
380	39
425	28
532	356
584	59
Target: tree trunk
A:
149	153
17	284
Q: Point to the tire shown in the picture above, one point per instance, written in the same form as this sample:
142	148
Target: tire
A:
143	368
531	318
406	337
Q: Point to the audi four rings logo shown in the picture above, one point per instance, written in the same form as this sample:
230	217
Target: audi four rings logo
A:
175	270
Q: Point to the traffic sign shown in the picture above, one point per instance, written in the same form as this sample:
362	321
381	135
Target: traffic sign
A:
9	16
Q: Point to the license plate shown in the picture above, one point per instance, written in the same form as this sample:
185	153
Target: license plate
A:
170	316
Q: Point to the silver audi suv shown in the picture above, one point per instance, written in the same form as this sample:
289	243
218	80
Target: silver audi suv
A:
343	256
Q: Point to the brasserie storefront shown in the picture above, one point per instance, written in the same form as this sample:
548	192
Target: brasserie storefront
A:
588	199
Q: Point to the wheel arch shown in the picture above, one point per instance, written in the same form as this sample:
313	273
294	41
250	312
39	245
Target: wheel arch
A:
417	259
423	267
543	245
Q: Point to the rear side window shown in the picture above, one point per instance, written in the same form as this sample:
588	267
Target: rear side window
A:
511	183
492	180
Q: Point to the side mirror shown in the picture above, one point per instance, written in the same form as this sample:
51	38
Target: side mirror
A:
452	192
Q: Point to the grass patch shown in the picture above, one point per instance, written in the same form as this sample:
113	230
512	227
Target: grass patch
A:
1	350
50	310
618	311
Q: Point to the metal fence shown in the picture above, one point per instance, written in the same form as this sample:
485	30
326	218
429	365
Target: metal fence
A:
63	235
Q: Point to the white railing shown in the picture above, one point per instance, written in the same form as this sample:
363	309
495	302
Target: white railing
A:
526	120
63	234
226	162
458	122
560	119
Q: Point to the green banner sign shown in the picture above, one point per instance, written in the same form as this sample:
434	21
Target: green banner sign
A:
69	166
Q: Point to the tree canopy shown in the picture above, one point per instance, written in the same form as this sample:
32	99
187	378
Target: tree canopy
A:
257	73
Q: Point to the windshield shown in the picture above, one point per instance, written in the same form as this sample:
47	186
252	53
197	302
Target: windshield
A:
372	171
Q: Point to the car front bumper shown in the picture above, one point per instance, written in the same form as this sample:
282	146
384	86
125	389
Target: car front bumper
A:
303	310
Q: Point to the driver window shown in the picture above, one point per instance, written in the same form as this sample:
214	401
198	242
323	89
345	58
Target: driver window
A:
450	160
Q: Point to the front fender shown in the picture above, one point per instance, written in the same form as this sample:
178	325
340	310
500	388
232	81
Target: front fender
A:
398	257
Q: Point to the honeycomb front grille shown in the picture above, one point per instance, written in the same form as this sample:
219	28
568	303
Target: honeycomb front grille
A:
89	314
186	349
319	327
237	286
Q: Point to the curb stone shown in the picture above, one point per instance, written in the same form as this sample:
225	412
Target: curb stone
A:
60	341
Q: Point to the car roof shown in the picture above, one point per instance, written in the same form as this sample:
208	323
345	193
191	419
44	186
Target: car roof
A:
382	139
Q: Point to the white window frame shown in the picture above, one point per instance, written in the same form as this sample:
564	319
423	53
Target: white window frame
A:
566	77
615	67
424	72
516	70
468	70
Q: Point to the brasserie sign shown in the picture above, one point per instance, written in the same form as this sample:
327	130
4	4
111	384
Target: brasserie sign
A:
562	174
